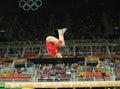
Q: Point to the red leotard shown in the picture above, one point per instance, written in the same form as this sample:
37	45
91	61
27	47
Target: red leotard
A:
52	48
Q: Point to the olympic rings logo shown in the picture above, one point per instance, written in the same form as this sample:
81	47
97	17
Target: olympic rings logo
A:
30	4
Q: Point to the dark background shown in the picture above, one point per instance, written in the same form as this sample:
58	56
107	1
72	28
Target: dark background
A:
12	6
85	19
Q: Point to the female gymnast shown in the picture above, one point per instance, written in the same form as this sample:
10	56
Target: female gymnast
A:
53	43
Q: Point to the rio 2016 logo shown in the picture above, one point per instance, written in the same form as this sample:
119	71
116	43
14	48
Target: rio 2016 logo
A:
28	5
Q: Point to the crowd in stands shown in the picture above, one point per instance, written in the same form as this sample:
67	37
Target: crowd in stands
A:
10	73
104	70
117	70
108	67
